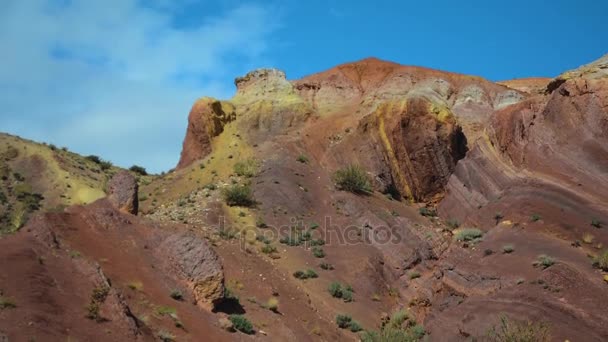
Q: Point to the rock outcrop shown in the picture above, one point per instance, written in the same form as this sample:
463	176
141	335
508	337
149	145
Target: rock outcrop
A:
122	192
422	143
207	119
194	261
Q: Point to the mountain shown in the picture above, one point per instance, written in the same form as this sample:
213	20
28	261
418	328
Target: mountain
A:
399	200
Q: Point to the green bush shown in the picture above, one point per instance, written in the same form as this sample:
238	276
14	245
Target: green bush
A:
469	234
343	321
308	274
326	266
7	303
247	168
302	159
596	223
513	331
355	326
353	179
335	289
95	159
535	217
347	295
318	252
396	330
544	261
238	195
601	261
140	170
269	249
242	324
428	212
344	292
317	242
508	249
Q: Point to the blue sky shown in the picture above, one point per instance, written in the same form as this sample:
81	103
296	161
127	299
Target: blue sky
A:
117	78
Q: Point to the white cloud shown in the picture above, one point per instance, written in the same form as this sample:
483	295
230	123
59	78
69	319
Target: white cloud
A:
116	78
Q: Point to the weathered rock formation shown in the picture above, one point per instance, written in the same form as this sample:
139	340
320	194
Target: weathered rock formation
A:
122	192
194	261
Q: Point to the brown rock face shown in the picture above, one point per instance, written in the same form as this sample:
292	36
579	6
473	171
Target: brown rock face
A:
421	144
425	146
206	120
194	260
122	192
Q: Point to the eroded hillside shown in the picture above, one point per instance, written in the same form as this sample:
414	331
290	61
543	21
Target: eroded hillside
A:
369	200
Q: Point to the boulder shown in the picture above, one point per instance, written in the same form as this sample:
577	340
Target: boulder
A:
193	260
122	192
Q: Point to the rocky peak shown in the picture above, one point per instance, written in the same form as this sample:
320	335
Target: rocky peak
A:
262	82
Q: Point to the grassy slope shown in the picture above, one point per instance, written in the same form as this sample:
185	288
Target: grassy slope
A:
60	177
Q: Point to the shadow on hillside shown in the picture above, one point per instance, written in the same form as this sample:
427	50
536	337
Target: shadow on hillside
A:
230	306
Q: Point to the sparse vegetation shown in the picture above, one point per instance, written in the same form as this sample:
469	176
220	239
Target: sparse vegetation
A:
414	275
272	304
508	249
268	249
326	266
259	222
136	285
344	292
343	321
469	234
544	261
513	331
453	224
535	217
601	261
95	159
302	159
353	179
238	195
596	223
177	295
98	296
6	303
398	328
318	252
140	170
241	323
427	212
247	168
308	274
